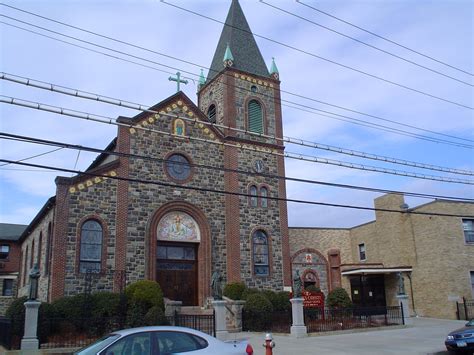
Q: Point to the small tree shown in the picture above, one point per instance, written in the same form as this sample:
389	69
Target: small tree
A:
338	298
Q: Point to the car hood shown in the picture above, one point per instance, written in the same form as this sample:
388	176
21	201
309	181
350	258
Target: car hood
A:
462	330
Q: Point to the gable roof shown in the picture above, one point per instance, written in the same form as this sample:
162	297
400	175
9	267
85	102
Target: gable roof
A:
13	232
237	34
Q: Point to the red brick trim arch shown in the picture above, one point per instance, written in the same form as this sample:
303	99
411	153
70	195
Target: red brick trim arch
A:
204	249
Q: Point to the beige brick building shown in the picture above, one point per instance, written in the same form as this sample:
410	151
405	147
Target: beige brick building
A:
435	255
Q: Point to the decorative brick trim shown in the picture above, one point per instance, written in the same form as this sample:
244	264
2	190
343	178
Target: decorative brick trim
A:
204	249
105	237
121	224
59	247
285	240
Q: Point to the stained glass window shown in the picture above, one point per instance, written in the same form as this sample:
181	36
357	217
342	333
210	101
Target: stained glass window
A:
179	128
178	167
91	247
260	253
263	197
253	196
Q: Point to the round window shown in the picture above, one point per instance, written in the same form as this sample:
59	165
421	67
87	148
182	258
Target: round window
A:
178	167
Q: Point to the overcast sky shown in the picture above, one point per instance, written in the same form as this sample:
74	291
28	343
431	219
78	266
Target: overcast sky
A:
440	29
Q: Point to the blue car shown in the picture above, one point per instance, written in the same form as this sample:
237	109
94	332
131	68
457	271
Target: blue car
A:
461	340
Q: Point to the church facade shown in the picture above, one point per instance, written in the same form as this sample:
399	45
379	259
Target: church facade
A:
182	192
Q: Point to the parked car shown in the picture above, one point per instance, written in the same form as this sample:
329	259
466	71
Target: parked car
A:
162	340
461	340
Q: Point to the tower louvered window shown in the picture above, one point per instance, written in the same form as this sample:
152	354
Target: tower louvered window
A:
211	113
255	117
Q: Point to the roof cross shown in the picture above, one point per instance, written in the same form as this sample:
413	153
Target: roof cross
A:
178	80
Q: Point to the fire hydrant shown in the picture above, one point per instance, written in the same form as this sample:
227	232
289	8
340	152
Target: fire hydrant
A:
269	344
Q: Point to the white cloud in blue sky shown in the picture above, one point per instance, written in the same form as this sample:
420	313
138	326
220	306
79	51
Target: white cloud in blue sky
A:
442	29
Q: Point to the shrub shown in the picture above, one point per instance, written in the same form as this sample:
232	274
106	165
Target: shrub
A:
234	290
313	288
147	292
249	291
105	304
155	316
338	298
257	310
16	312
282	301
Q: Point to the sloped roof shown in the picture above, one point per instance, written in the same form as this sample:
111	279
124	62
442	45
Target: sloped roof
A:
237	34
11	232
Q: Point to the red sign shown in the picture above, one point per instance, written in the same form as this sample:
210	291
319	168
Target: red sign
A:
313	299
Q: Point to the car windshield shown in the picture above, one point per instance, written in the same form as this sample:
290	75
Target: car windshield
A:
98	345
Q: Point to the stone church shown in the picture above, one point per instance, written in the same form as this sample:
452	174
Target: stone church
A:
183	191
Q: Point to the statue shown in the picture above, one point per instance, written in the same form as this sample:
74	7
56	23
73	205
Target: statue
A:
34	276
297	285
216	285
401	284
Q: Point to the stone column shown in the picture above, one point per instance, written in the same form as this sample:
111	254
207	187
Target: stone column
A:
403	299
30	340
298	329
221	326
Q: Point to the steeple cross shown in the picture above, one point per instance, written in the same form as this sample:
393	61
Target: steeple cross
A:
178	80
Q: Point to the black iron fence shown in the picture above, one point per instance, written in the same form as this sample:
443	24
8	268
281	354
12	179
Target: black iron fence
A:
465	310
277	322
205	323
318	320
11	332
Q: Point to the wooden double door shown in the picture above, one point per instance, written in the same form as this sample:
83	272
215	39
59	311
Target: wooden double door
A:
176	271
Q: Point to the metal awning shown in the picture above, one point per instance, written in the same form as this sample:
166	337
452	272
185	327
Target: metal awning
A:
376	270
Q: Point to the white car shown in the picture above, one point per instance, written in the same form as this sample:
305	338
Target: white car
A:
164	341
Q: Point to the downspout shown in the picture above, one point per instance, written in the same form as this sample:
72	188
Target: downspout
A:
411	293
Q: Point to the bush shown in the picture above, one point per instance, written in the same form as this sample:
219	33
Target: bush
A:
234	290
155	316
147	292
257	312
282	301
313	288
249	291
338	298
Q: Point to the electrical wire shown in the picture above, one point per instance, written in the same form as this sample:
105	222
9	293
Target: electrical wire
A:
222	192
384	38
38	141
37	155
318	111
365	43
297	141
322	58
109	120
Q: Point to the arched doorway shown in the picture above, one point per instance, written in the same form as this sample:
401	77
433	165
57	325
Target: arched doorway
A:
179	253
310	278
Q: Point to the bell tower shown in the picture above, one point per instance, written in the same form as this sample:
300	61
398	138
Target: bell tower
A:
242	97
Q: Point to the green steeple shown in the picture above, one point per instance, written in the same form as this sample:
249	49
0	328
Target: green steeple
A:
274	69
237	35
228	54
202	79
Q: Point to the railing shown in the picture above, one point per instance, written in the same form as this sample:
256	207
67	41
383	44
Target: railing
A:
202	322
277	321
317	320
11	332
465	310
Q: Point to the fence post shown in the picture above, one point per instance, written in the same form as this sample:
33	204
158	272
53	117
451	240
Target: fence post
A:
403	314
465	308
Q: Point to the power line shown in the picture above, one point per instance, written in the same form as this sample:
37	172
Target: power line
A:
37	155
32	140
222	192
314	159
347	118
297	141
364	43
322	58
384	38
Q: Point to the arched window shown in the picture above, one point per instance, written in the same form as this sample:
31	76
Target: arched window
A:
25	265
32	253
91	247
255	117
253	196
49	242
179	128
263	197
40	245
260	253
211	113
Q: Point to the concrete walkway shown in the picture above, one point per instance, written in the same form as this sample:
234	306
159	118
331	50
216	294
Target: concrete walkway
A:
425	336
